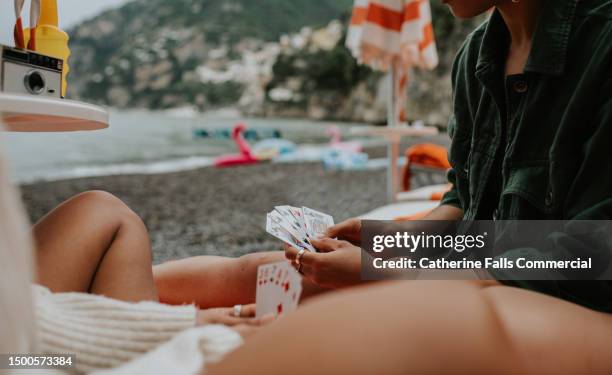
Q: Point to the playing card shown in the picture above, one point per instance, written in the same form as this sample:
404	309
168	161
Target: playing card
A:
293	212
296	226
291	221
279	288
275	228
316	222
291	228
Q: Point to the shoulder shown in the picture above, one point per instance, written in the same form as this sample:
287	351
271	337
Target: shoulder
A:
594	21
598	9
467	56
463	75
464	66
592	32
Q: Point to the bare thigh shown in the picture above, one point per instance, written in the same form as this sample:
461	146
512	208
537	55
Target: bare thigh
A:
210	281
552	336
94	243
430	327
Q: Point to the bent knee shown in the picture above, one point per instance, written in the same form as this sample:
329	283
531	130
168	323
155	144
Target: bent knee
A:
98	201
106	210
553	335
98	198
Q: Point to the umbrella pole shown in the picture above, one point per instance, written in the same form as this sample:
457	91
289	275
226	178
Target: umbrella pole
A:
393	146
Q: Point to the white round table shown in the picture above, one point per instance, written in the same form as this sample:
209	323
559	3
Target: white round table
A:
29	113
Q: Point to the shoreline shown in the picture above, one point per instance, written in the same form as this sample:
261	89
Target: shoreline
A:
376	153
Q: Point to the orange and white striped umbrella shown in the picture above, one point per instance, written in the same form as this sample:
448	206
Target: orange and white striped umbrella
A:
393	34
18	29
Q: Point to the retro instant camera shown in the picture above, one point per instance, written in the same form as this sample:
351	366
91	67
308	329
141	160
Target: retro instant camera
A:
30	73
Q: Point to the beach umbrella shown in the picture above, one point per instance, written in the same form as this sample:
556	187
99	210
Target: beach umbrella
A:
18	29
393	36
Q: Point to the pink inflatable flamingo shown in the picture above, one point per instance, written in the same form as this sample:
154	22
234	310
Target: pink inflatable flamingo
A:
245	157
336	141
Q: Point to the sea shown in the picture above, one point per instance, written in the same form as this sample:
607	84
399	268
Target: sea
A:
145	142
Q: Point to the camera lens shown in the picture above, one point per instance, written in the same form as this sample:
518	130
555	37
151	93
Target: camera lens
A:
34	82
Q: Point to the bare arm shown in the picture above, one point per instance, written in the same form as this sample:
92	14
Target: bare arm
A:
445	212
350	230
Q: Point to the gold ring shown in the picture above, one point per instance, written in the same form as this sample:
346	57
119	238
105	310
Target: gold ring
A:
299	256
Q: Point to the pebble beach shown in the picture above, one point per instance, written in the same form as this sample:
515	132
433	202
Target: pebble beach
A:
211	211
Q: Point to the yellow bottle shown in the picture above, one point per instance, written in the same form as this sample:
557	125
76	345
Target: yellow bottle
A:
50	39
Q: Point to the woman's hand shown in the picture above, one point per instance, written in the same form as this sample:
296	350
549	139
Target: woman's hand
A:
225	315
348	230
337	265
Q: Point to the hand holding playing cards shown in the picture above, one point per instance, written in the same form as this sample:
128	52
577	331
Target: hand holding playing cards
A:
348	230
225	315
336	265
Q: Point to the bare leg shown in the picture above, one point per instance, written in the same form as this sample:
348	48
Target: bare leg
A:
210	281
430	327
94	243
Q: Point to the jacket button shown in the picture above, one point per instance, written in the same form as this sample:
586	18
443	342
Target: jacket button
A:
549	198
521	86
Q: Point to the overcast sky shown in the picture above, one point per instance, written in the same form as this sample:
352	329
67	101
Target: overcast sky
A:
71	12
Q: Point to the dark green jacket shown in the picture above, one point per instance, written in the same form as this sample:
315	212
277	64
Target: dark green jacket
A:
536	145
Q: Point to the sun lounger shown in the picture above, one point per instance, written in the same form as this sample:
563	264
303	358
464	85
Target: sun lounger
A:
410	203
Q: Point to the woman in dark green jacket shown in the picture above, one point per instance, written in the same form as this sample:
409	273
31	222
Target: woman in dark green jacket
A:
531	130
531	139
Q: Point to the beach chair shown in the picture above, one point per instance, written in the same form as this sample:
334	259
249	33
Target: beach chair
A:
411	205
430	160
431	163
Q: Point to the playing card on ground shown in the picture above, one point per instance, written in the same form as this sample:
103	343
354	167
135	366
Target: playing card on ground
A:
316	222
279	288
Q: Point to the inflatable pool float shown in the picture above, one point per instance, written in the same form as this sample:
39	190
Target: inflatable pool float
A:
272	148
246	157
337	159
337	144
253	134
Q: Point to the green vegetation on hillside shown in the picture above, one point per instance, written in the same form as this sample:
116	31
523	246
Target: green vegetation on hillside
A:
331	77
162	54
115	51
333	70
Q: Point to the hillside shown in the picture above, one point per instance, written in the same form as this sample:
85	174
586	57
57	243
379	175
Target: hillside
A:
265	57
164	42
327	83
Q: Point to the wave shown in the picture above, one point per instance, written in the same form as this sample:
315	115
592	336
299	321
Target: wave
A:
164	166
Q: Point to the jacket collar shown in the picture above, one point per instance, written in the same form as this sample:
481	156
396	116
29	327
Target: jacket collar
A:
550	42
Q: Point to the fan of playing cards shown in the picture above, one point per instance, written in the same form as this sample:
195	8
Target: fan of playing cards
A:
296	226
279	286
